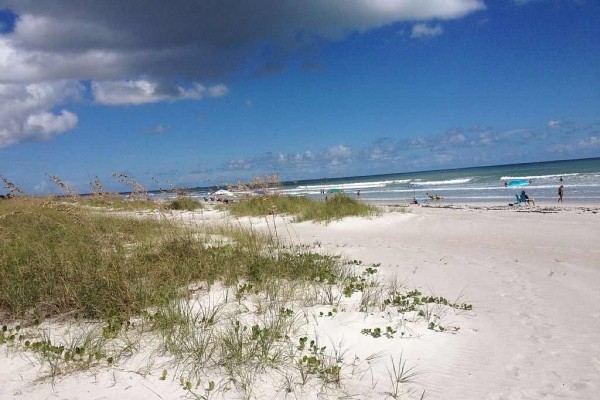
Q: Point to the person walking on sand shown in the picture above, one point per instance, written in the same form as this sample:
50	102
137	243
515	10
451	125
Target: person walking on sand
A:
561	191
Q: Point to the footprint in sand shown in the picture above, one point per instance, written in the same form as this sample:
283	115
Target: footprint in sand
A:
581	385
511	371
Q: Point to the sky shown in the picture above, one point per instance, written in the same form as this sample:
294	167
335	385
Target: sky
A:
189	93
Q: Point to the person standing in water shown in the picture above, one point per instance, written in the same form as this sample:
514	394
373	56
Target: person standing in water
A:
561	191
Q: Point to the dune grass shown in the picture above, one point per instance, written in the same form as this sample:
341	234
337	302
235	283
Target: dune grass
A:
130	276
337	207
185	203
116	202
56	258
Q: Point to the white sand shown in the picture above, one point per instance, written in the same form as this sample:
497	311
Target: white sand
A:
534	280
532	277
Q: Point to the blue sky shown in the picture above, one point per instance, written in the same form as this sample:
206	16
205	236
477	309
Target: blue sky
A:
195	93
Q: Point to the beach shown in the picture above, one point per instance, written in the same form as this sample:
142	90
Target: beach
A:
531	274
532	277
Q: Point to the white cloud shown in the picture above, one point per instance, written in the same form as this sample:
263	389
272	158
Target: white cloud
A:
132	54
47	123
592	142
553	124
26	111
456	138
20	65
126	92
454	147
337	155
239	164
218	91
584	145
143	91
424	30
195	92
339	150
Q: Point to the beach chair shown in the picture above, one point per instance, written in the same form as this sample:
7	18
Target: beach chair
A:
520	200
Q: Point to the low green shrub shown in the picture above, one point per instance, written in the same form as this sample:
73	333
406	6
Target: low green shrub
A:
305	209
116	202
267	205
337	207
185	203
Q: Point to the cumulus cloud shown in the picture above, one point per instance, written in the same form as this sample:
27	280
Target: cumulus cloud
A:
553	124
139	52
593	142
588	144
218	90
382	149
455	147
26	111
333	156
144	91
457	138
423	30
126	92
112	39
46	123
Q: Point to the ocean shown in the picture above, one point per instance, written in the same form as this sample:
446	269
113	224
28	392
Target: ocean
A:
581	180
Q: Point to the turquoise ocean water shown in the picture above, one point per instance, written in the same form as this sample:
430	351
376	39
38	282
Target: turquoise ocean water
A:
581	180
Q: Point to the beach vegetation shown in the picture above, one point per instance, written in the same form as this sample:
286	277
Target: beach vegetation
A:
222	300
401	377
114	201
302	208
13	190
185	203
55	258
337	207
378	332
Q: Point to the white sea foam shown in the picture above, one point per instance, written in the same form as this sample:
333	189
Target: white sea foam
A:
353	185
508	178
448	182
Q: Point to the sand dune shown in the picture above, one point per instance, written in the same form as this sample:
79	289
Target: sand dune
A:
532	277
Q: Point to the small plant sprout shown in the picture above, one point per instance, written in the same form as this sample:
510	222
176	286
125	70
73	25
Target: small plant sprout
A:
400	378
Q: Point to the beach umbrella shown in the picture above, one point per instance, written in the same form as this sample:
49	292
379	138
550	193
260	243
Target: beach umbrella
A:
518	182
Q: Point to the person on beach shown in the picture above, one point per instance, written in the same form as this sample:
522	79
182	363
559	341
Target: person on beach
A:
527	198
561	190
